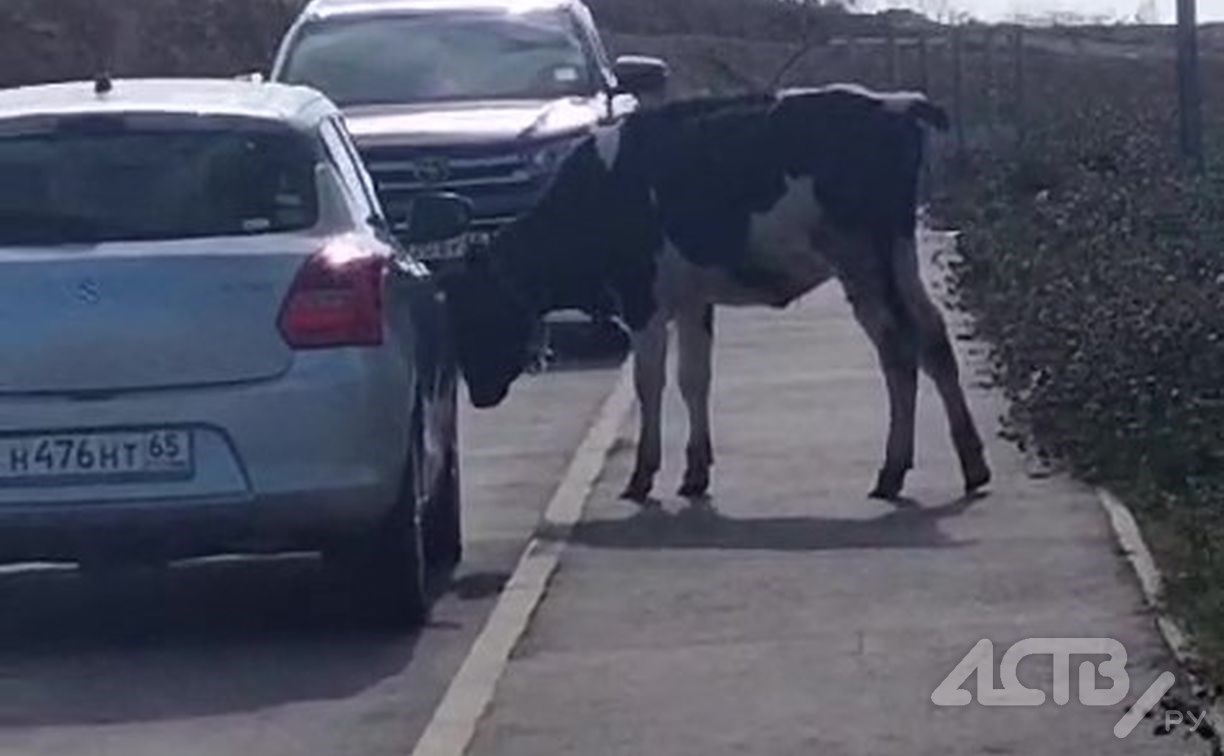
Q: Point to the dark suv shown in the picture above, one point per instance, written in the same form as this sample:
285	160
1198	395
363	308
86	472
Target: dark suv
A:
479	97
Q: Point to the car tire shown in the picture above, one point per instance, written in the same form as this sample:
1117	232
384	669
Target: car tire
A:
387	566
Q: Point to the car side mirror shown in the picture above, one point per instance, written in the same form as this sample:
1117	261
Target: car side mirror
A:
640	75
430	217
252	77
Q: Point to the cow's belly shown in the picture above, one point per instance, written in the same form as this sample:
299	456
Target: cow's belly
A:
786	257
786	254
787	243
681	283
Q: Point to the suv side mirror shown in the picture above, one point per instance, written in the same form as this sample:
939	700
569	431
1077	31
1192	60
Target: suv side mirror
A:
640	75
430	217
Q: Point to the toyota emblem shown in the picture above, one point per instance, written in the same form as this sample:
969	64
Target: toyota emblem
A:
432	170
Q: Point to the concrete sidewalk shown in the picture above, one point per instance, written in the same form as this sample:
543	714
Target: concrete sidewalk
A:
793	615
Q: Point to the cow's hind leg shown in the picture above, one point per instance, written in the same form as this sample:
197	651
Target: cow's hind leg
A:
899	361
896	344
650	377
939	361
695	331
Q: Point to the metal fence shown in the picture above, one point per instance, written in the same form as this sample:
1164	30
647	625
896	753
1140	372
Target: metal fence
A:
1003	85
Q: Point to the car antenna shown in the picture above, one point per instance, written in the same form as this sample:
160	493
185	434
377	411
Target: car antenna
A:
103	84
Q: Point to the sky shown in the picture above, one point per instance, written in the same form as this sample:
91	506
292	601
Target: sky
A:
1006	10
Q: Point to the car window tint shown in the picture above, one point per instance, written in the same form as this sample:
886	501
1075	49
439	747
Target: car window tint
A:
117	185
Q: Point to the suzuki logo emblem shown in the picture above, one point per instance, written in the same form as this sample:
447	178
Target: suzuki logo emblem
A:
432	170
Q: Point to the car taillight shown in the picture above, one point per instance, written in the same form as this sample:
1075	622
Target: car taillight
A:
336	300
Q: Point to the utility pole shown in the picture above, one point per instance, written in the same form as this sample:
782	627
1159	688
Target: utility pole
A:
958	90
1189	85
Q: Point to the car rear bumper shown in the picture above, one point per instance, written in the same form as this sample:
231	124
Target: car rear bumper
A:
316	454
175	528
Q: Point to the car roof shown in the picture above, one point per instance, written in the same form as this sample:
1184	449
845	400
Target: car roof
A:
297	107
340	8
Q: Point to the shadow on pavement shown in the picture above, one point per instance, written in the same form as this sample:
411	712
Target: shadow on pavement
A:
700	526
480	585
583	345
197	640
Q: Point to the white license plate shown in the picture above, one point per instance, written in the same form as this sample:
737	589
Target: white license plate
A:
479	238
99	456
450	249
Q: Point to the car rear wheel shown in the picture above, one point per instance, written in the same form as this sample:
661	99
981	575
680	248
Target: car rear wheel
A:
387	566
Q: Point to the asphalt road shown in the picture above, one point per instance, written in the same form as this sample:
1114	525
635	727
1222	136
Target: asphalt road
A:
232	657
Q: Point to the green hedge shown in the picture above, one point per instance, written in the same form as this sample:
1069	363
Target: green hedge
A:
1093	262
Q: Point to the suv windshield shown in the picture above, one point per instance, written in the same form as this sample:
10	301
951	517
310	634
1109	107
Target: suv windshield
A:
115	184
442	56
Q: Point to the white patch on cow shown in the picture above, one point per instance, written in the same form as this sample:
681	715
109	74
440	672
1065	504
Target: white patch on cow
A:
789	240
782	240
607	143
897	105
900	103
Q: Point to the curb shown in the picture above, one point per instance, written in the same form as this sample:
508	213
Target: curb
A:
453	726
1130	540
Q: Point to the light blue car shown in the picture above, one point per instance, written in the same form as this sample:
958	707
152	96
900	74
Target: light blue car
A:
211	342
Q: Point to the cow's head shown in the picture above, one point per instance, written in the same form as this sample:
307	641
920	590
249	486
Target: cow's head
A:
491	326
581	241
492	329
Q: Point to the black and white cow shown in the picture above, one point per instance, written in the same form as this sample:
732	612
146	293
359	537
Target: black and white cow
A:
747	201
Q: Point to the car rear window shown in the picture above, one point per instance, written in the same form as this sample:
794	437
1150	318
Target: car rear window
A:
111	182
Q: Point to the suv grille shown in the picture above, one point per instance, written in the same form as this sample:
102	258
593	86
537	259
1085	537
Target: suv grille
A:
502	184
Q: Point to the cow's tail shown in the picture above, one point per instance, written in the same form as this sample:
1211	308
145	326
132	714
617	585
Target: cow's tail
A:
929	113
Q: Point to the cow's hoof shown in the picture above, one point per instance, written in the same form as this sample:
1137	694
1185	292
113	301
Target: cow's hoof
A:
977	476
638	490
889	485
696	485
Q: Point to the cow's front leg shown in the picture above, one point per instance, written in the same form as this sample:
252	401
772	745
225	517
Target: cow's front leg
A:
650	377
695	331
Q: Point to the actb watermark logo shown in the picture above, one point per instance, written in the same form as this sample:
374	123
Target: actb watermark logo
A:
1011	692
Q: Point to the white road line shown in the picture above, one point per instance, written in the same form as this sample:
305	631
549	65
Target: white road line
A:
454	722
